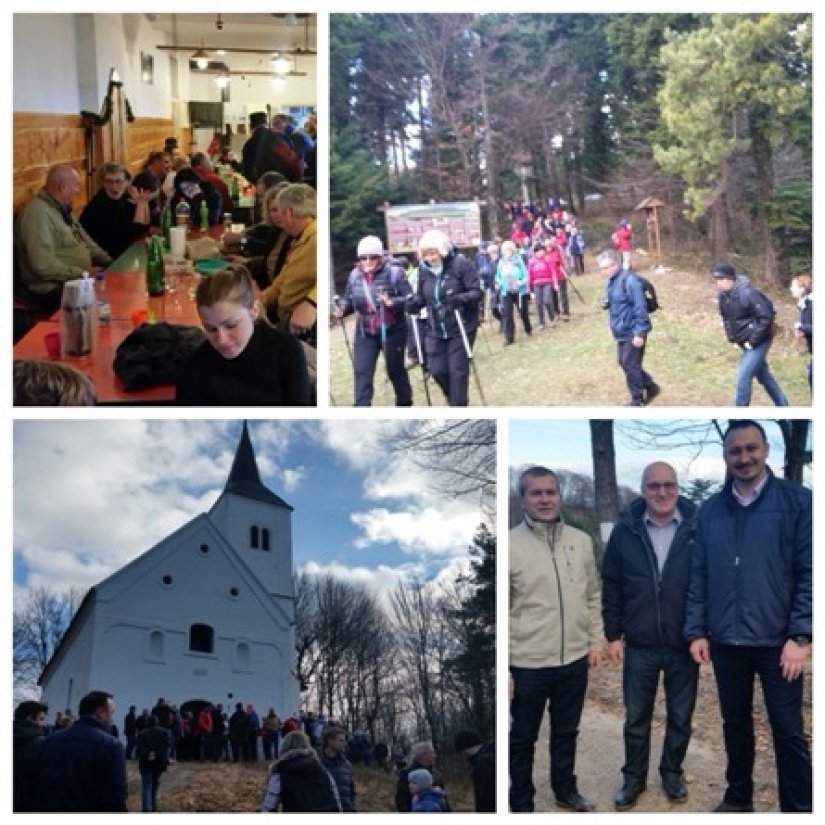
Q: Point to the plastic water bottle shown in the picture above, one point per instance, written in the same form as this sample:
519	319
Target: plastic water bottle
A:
104	308
182	214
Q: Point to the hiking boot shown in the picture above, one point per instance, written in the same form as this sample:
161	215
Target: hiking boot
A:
675	790
627	796
651	392
574	801
725	807
635	402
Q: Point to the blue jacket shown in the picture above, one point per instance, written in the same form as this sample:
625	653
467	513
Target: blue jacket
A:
431	801
626	307
640	603
520	275
81	769
751	579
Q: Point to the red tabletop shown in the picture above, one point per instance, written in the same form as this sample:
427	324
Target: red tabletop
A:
126	290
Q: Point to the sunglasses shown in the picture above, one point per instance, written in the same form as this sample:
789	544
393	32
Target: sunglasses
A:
662	486
369	257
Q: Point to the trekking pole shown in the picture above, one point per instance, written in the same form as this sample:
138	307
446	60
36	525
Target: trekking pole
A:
337	303
469	352
573	287
424	375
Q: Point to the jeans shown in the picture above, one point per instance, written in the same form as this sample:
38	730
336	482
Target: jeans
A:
754	364
561	690
630	360
149	792
735	669
642	666
366	351
544	299
509	302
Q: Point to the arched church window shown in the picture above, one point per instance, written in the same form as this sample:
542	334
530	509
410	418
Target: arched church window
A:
156	644
264	538
201	638
243	658
253	537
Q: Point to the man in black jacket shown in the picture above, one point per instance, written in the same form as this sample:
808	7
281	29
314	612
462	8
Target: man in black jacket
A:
644	585
748	317
28	731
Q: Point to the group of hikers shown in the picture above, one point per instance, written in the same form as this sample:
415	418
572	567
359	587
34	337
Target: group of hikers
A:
427	312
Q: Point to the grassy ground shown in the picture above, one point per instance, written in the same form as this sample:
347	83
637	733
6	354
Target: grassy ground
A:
574	363
238	787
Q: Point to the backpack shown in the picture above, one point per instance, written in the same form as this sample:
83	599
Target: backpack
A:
648	290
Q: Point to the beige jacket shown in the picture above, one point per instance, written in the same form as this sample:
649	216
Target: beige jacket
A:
555	598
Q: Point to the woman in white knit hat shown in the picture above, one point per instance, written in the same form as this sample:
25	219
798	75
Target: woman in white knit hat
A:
377	291
448	285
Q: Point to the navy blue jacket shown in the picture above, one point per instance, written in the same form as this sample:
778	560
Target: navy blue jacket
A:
626	307
363	295
751	579
640	603
80	769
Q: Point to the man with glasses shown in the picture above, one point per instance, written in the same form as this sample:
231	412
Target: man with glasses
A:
119	213
51	246
644	585
629	322
750	612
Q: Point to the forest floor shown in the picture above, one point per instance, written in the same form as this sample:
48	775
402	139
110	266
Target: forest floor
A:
239	787
600	752
574	363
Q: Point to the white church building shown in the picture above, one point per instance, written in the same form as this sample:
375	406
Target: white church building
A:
207	614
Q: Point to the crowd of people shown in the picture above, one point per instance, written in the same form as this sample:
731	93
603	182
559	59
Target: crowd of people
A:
261	326
426	310
82	761
730	584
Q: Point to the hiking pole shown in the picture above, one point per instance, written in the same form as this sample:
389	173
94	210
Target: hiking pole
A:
573	287
469	355
424	375
336	302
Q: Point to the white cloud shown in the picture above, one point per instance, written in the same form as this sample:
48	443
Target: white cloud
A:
441	531
292	478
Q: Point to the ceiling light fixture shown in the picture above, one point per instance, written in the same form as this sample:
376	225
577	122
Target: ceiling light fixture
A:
281	65
201	58
222	80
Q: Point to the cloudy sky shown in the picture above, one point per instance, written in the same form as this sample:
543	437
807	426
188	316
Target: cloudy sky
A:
90	496
565	445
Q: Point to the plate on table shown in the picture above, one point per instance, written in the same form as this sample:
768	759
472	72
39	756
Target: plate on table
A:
210	265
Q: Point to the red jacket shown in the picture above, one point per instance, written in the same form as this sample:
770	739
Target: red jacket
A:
623	239
540	271
205	722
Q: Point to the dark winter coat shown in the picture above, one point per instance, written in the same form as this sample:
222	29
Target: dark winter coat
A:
340	769
483	765
81	769
746	313
457	287
363	295
626	306
111	222
640	603
751	580
806	320
305	785
153	750
27	736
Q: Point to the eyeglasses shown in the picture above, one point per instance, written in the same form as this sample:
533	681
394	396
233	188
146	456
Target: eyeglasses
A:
662	486
369	257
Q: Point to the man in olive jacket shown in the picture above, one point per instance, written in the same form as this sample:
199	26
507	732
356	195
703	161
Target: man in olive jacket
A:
555	637
645	577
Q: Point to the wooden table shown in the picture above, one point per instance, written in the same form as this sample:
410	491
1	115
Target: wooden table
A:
126	290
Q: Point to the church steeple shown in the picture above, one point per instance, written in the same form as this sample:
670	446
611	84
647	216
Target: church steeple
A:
244	478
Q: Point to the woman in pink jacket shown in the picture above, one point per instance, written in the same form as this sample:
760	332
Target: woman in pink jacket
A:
541	281
623	241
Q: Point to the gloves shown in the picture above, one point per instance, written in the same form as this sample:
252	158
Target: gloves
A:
413	303
455	300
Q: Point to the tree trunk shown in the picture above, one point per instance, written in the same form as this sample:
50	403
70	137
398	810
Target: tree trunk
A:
489	152
762	154
605	489
795	436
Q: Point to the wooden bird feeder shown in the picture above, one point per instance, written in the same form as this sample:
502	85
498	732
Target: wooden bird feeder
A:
651	206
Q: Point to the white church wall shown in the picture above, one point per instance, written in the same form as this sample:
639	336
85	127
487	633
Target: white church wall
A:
70	675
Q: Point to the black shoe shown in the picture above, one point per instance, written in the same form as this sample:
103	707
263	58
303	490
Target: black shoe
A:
652	391
627	796
675	790
725	807
635	402
574	801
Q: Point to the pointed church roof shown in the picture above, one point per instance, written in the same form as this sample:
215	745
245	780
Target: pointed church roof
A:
244	478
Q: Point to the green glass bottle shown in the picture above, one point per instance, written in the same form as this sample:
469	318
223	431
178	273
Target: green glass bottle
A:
234	191
166	224
204	216
154	266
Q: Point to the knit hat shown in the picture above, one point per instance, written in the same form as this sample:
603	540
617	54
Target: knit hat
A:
435	239
723	270
466	739
370	246
422	777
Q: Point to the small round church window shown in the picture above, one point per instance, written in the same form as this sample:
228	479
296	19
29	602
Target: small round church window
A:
234	592
167	580
204	549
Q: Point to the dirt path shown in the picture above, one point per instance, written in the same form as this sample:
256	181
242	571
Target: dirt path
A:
600	752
